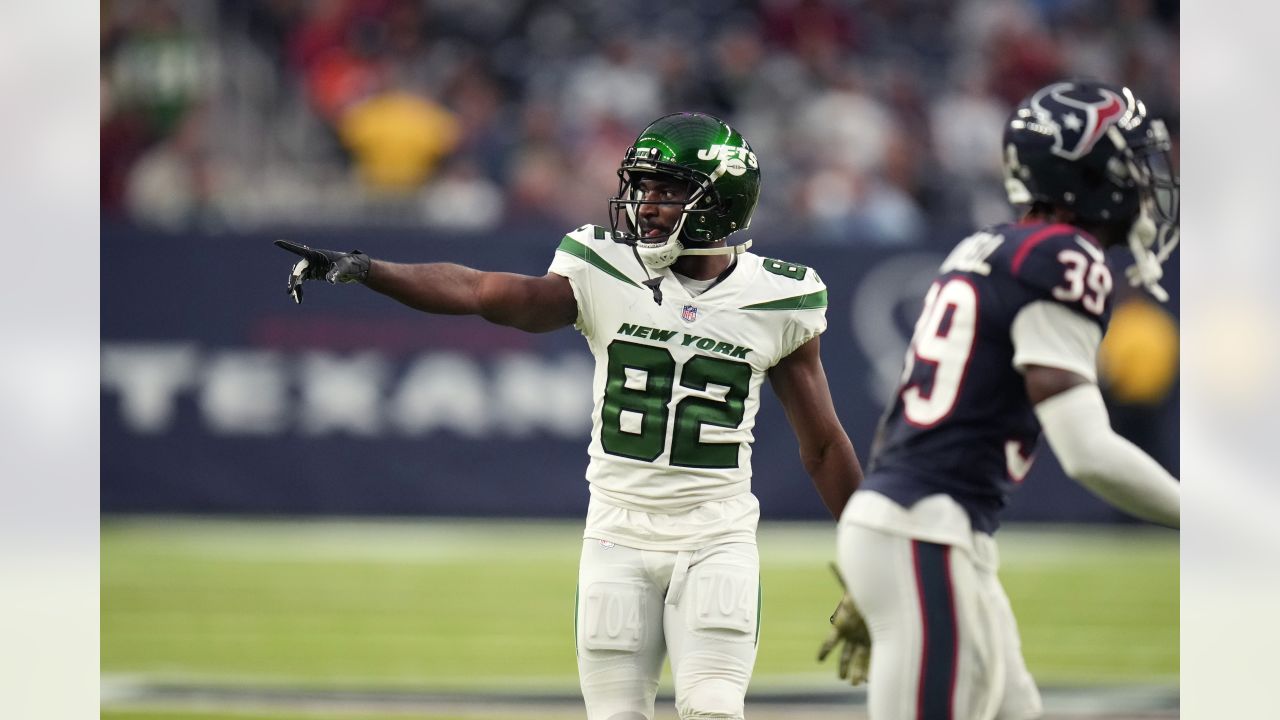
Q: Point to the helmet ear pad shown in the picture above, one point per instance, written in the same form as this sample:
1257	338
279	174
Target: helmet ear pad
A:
725	207
708	207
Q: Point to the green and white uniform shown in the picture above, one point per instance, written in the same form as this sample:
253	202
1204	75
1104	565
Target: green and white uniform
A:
677	385
670	532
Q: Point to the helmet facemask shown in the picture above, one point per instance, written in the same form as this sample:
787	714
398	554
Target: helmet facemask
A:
1153	234
660	249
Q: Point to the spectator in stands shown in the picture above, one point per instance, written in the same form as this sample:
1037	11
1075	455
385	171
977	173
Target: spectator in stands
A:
153	70
807	79
397	137
173	185
1137	370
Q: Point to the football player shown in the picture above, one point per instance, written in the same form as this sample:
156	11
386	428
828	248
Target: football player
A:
684	328
1004	349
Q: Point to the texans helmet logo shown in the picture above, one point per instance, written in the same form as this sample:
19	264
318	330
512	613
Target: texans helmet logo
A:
1077	124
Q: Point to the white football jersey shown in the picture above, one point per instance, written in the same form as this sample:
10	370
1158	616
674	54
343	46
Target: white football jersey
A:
677	384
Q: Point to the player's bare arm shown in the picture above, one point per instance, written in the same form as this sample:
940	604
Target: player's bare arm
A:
533	304
1045	382
1076	424
801	385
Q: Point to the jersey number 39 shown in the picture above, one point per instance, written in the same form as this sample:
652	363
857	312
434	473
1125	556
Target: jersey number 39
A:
944	334
943	339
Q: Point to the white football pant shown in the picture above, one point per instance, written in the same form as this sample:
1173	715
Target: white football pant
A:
637	606
944	643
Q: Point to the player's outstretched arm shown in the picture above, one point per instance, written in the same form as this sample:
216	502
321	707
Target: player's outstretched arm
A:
1076	424
534	304
801	385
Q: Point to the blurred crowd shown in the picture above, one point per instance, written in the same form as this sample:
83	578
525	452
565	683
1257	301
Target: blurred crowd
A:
876	121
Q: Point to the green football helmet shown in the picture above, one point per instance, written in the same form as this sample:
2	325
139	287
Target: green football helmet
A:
723	176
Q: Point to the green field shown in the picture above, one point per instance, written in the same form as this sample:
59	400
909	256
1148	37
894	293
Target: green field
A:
452	605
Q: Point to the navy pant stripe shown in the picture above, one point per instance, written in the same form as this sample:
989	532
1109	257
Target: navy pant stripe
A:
940	641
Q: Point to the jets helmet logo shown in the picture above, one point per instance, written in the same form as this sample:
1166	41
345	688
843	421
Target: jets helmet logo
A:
733	159
1076	125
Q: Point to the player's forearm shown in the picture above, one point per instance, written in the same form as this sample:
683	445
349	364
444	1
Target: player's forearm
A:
441	288
1156	499
835	472
1078	429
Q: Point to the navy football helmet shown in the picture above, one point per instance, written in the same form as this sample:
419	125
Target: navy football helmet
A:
1092	148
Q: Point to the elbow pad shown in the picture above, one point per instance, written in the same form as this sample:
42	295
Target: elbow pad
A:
1077	426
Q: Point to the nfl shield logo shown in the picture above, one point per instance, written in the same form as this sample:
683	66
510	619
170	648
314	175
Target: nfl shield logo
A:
689	313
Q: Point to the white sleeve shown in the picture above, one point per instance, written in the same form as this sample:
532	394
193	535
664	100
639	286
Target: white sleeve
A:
1051	334
802	327
578	273
1077	426
806	324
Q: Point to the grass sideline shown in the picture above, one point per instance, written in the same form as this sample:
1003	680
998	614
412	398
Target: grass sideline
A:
173	714
458	605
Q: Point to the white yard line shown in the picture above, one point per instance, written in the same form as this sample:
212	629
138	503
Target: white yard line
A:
139	693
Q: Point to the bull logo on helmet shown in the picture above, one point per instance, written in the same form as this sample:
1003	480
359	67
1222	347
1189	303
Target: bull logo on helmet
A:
1076	125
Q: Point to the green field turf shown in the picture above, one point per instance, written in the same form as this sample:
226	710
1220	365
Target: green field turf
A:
435	604
166	713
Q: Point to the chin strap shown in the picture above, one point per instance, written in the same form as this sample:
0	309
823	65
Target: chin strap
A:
652	282
722	250
1146	269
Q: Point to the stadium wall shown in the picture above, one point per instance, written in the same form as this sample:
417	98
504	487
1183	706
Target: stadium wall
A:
221	396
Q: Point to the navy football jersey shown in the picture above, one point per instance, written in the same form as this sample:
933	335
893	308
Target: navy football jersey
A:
961	423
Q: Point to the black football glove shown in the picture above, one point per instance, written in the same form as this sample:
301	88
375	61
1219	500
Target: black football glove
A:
331	265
